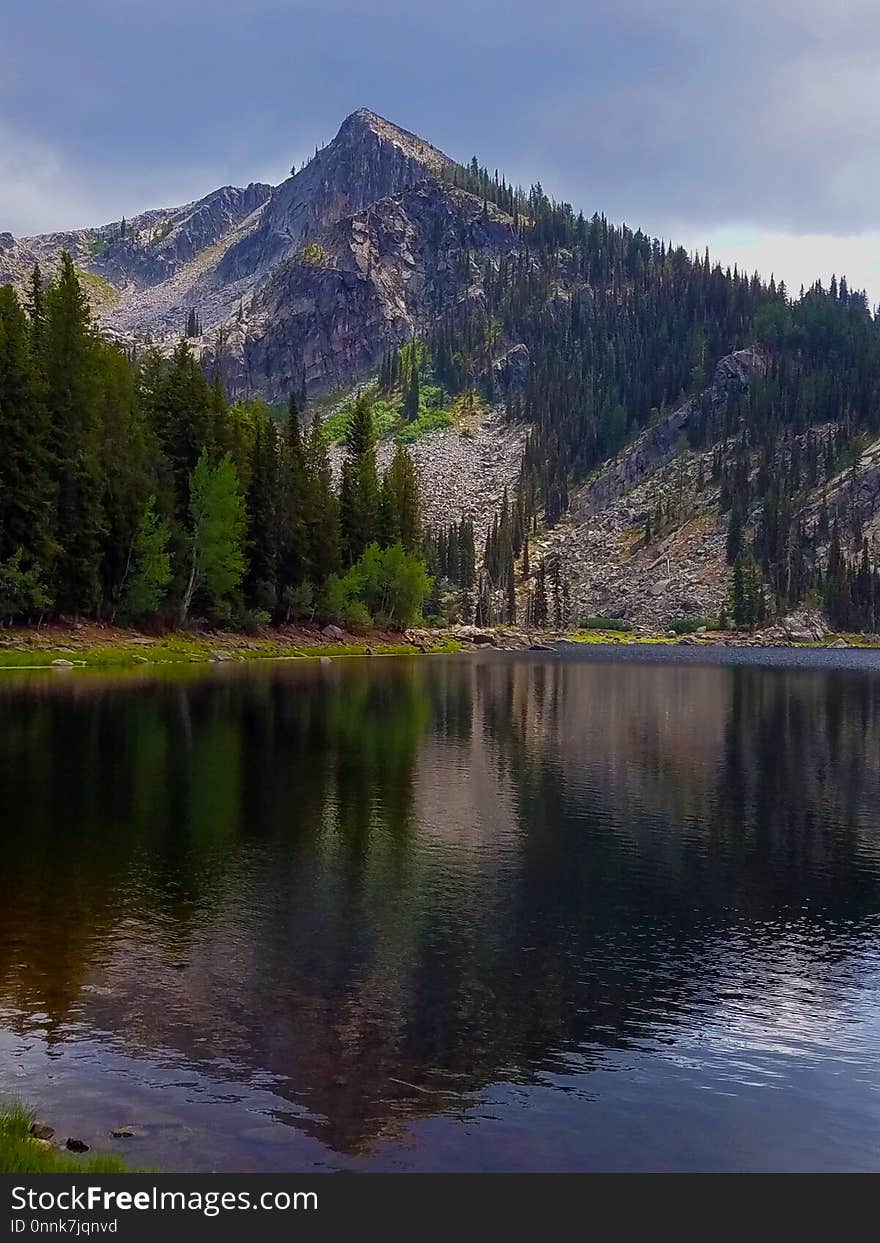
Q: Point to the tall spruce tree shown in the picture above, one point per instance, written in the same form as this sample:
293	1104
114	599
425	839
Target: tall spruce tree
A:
359	492
27	492
70	370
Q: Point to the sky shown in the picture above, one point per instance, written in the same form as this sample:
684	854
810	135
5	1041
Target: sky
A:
751	127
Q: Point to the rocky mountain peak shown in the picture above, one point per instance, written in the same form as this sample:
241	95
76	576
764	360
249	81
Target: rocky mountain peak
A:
366	126
369	159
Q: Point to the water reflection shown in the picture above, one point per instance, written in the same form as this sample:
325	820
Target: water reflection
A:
353	897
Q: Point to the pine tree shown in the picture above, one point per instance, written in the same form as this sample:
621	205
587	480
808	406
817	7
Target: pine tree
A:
411	398
323	511
557	595
27	493
510	601
186	415
71	398
735	526
263	505
539	601
359	494
296	501
401	501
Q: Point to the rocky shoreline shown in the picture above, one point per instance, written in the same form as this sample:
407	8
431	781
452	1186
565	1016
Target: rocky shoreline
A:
89	645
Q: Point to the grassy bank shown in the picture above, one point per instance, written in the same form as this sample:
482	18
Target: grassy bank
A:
104	647
20	1153
713	639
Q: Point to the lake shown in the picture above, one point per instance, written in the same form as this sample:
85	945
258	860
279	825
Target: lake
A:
598	911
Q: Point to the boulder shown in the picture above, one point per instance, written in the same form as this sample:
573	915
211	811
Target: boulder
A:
473	634
76	1145
334	633
41	1130
62	664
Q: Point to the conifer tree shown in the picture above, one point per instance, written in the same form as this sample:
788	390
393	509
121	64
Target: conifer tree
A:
27	492
71	398
263	504
323	510
359	494
411	399
539	601
296	499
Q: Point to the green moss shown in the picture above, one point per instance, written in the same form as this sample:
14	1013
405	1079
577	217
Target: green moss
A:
615	636
99	289
21	1154
187	649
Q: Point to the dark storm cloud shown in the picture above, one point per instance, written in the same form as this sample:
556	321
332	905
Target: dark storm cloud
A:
687	115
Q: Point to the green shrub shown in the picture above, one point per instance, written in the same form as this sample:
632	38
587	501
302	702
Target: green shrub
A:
249	621
355	616
314	255
386	583
428	421
688	625
605	623
300	601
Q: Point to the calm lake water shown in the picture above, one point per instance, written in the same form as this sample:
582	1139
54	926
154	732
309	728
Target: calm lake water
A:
456	913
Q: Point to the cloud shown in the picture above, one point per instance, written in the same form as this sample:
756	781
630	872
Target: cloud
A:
691	118
38	192
799	259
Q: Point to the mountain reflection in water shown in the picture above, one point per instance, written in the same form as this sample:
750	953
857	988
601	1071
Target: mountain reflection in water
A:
500	913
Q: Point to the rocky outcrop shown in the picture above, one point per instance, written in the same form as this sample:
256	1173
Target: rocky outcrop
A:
512	368
613	570
152	254
369	159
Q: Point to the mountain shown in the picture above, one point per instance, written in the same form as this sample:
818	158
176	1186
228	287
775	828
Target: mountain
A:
237	257
630	431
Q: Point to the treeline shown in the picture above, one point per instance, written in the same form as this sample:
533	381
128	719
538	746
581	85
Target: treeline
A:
131	488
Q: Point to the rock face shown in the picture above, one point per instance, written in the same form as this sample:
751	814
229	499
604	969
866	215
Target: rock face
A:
601	546
327	313
369	159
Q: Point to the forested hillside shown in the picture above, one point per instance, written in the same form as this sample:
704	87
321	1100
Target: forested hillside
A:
131	489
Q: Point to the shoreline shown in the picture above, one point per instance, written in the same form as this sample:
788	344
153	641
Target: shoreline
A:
71	646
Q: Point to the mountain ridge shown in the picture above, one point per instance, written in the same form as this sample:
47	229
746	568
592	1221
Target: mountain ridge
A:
213	253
